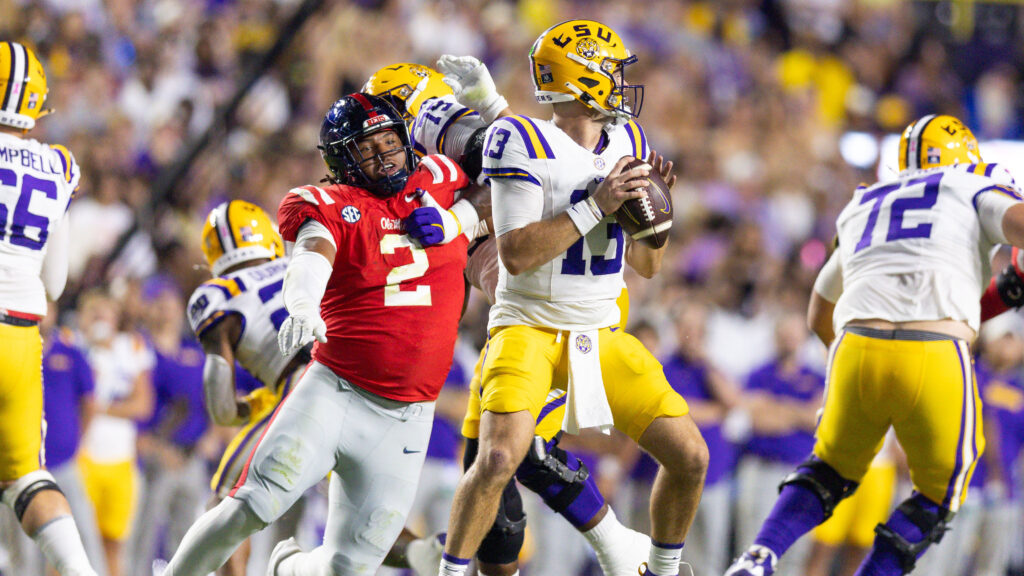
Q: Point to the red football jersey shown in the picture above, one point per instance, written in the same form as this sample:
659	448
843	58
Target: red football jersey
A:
391	307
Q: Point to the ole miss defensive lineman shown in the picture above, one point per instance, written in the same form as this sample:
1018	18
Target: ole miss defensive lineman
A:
384	313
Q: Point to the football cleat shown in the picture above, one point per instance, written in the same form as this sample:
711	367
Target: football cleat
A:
586	61
424	554
22	86
934	141
284	549
756	561
237	232
407	87
625	554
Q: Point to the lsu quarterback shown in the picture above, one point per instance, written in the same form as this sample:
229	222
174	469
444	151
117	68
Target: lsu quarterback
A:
37	182
442	110
898	304
554	186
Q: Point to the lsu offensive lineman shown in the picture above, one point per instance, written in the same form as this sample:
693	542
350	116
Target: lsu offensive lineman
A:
443	112
902	290
37	182
554	320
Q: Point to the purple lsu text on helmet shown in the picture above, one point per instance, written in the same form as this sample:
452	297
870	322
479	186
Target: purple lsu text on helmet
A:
353	117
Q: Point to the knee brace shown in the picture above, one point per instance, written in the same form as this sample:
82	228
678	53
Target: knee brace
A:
932	520
20	494
823	480
553	473
503	542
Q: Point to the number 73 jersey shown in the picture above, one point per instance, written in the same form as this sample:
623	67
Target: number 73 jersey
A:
391	307
917	247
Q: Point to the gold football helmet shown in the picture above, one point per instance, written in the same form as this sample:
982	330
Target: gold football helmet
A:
407	86
934	141
586	61
22	86
237	232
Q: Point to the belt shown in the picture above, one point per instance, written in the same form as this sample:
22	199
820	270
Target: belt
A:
913	335
18	319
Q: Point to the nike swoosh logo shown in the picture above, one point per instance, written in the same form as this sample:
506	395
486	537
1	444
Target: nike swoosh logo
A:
407	451
409	198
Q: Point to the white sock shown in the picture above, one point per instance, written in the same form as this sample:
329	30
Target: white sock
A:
62	545
453	565
213	538
606	532
665	559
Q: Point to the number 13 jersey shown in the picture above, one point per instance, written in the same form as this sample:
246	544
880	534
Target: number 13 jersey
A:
577	289
917	248
36	185
391	307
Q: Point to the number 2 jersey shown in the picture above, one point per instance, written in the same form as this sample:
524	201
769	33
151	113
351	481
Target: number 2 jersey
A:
254	295
917	248
36	184
391	307
577	289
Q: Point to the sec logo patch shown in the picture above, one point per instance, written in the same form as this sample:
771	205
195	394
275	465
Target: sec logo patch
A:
351	214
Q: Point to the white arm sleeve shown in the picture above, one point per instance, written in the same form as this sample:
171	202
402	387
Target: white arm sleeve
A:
55	263
219	391
829	283
514	204
991	207
305	281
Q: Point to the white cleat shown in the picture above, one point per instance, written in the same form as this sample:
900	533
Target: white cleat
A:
284	549
756	561
159	567
624	557
424	554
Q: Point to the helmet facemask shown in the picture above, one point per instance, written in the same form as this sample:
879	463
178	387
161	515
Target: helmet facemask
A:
346	163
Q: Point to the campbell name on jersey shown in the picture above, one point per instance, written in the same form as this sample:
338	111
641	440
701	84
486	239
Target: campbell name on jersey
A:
577	289
36	184
444	126
384	287
254	295
917	247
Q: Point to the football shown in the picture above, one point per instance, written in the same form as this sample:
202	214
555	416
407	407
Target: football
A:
648	219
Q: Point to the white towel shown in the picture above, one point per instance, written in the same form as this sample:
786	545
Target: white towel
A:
586	405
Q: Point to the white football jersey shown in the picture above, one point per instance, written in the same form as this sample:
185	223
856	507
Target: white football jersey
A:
110	438
36	184
917	247
444	126
254	294
577	289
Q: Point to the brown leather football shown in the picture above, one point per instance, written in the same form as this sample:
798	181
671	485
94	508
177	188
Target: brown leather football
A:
648	218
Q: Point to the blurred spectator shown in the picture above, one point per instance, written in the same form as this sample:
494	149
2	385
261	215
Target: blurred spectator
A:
122	364
174	445
781	399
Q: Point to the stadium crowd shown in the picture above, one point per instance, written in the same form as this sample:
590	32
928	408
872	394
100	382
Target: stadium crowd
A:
749	98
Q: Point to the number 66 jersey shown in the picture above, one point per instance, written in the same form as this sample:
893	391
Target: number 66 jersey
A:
36	185
917	248
391	307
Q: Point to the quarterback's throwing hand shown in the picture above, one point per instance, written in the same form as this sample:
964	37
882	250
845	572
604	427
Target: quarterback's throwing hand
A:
297	331
471	81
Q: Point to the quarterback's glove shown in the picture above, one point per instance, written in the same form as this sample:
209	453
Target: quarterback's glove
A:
298	330
431	224
473	85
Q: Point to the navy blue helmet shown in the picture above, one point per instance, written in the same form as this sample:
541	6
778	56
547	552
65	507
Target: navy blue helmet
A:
353	117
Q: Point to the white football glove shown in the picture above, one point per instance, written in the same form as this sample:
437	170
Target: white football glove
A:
298	330
473	85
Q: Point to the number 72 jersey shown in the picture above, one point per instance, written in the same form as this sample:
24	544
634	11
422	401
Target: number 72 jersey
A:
391	307
917	247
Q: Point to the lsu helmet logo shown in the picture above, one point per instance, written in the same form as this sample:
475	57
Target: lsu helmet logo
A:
588	48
